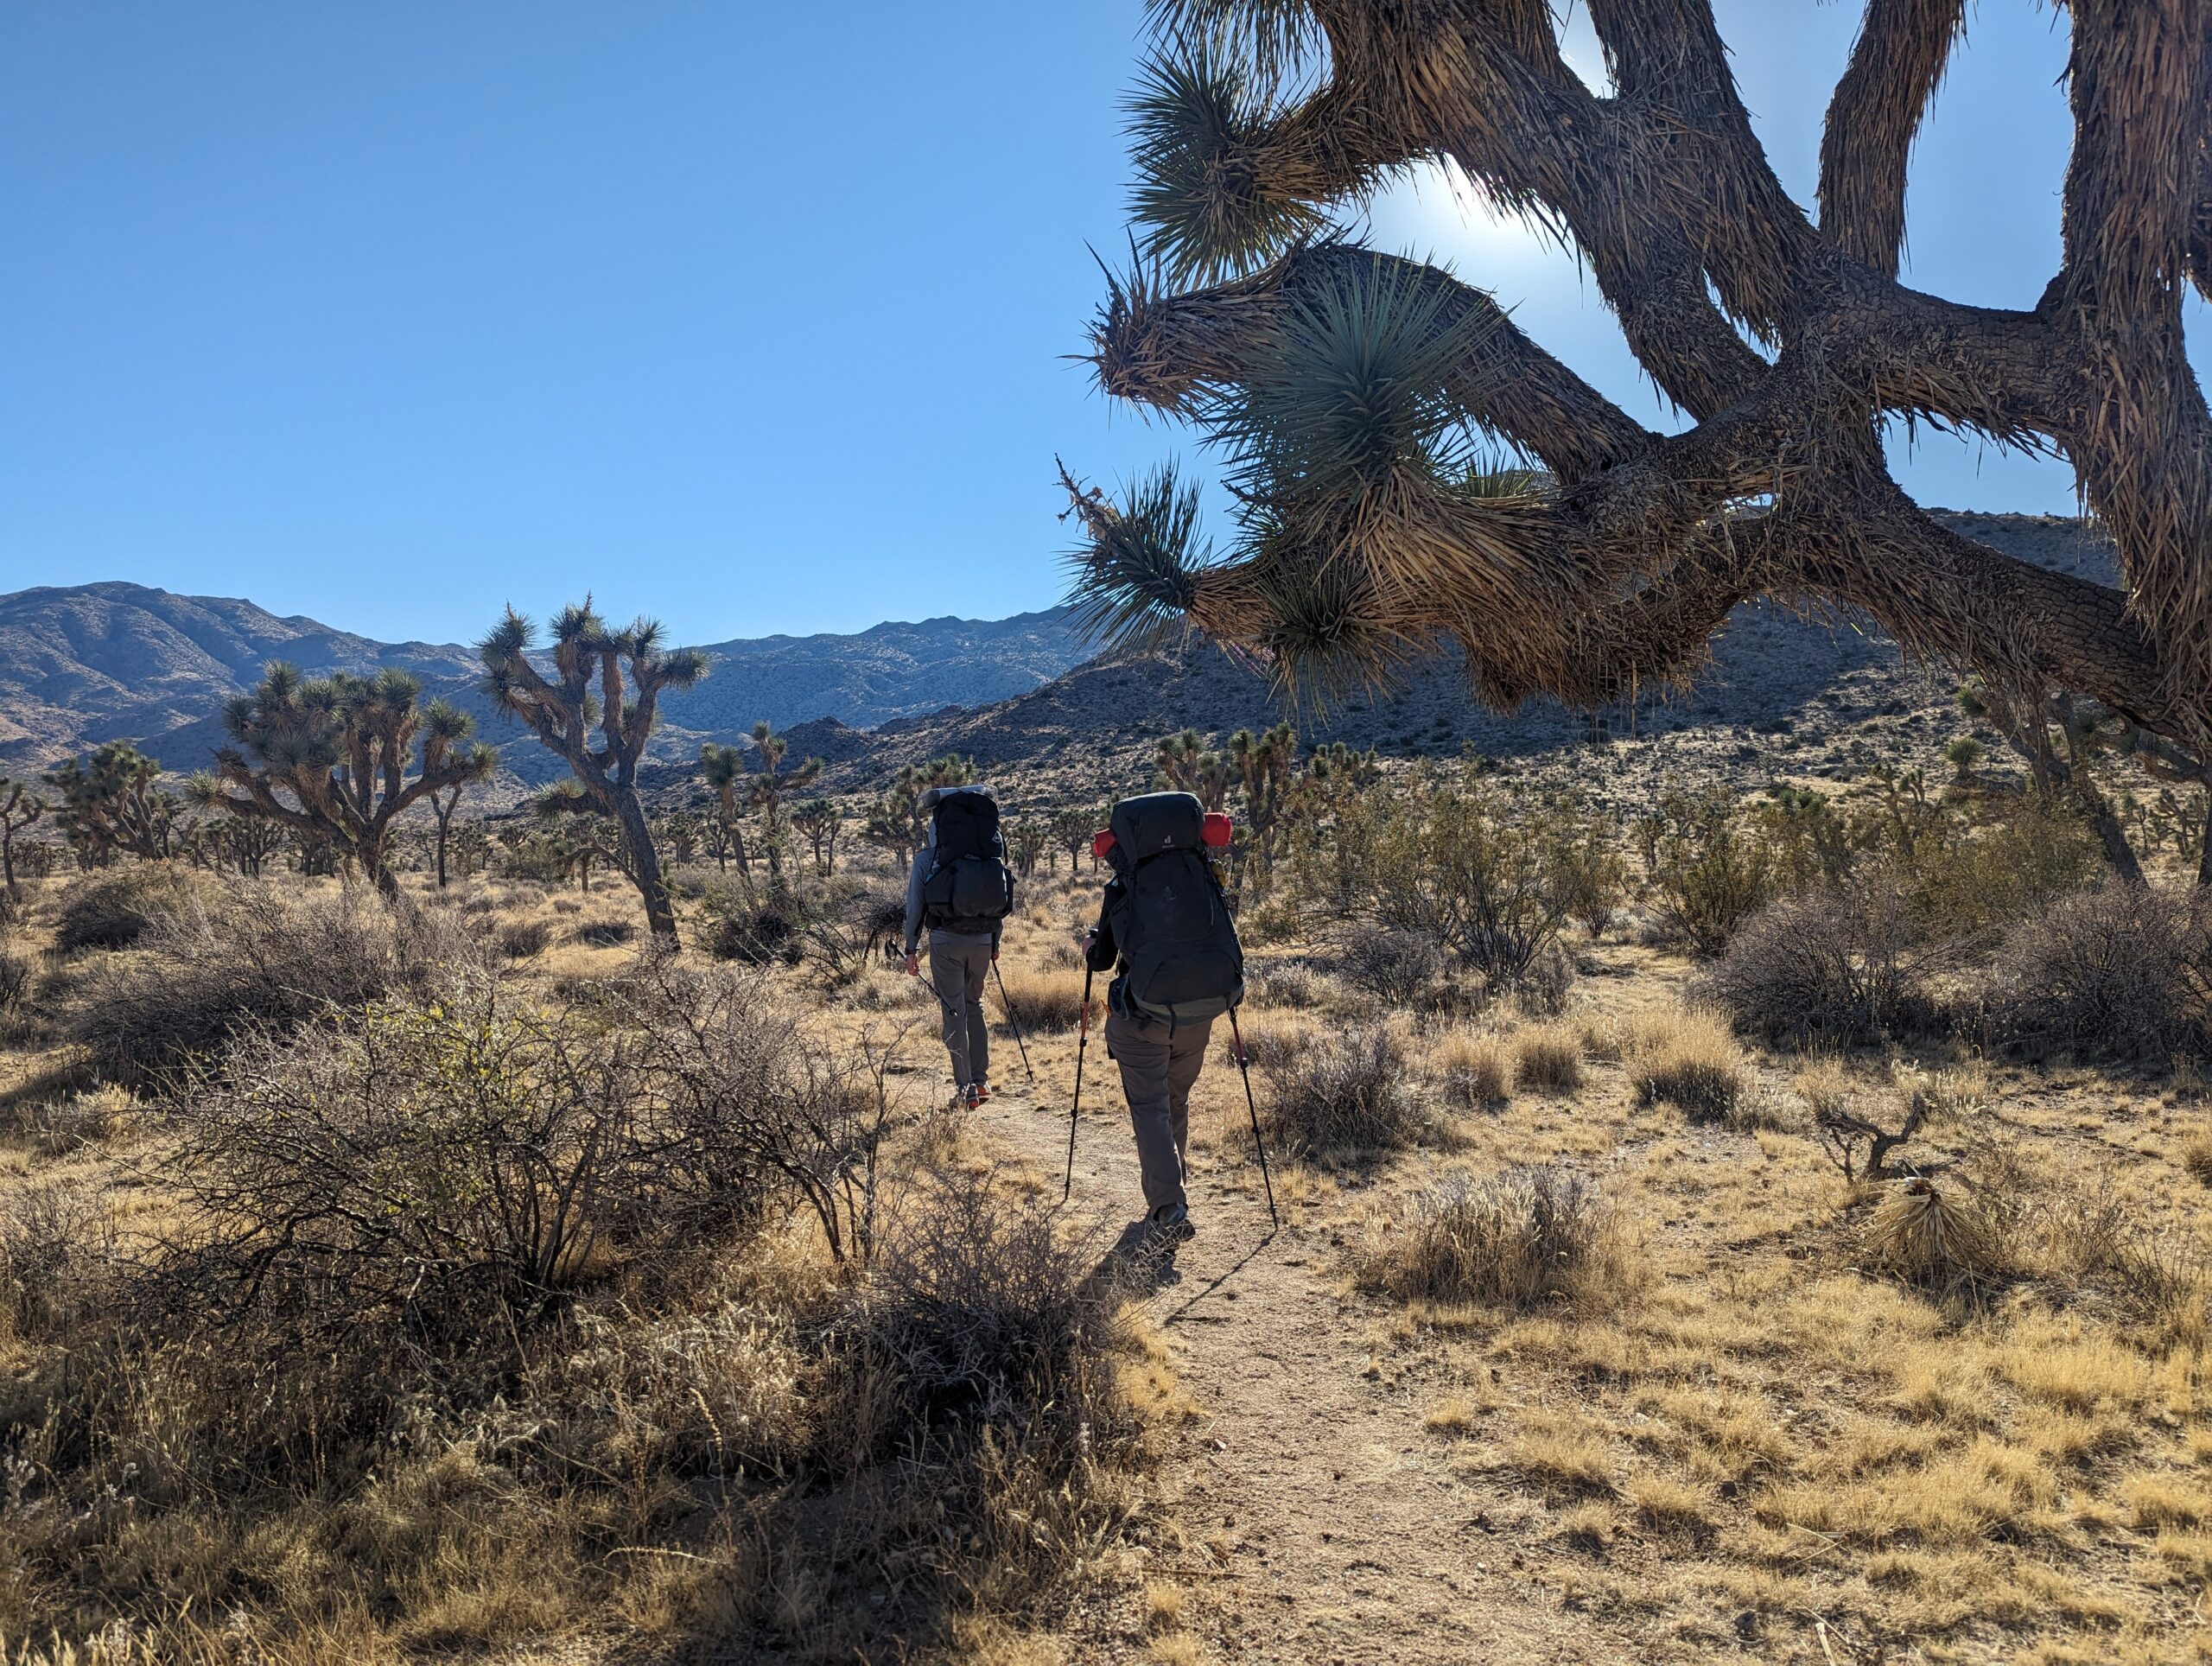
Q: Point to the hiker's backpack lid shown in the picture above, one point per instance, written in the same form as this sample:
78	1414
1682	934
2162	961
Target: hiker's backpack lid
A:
1158	820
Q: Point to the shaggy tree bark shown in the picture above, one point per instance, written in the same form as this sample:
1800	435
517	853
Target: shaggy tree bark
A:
1347	386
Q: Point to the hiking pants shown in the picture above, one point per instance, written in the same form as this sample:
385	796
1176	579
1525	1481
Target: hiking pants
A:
959	965
1159	1066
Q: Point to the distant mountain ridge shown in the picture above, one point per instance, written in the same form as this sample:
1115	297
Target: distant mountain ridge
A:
83	663
1024	696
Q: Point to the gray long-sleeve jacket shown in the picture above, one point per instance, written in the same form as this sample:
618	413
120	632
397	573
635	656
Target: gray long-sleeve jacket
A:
924	858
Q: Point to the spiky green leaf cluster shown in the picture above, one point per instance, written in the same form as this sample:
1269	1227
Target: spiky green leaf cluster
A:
1134	576
1206	192
1347	396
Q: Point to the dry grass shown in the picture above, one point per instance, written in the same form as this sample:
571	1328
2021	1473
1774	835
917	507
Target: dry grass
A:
1547	1059
1688	1059
1520	1238
1473	1068
1044	1001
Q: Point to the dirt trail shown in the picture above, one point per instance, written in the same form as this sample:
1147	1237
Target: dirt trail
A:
1327	1526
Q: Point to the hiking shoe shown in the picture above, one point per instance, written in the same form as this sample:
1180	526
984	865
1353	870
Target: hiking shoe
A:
975	1097
983	1090
962	1098
1172	1225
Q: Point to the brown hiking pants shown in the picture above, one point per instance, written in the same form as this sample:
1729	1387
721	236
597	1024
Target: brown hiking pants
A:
1159	1066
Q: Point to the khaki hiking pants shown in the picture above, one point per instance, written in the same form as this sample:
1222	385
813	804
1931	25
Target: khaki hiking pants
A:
959	966
1159	1066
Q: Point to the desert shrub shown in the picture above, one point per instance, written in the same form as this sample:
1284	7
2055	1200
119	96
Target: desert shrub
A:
1547	1059
424	1167
1690	1061
525	940
1040	1001
54	1251
1844	964
1345	1092
2124	972
754	928
2196	1156
1398	967
1268	1042
1473	1070
113	910
605	933
1593	871
834	925
1710	871
1289	983
1544	987
1522	1237
1486	875
245	955
977	1307
2015	861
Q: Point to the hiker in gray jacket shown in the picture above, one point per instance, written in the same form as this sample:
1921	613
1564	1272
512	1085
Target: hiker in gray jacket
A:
960	961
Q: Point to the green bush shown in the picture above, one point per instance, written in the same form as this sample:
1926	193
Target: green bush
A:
1710	869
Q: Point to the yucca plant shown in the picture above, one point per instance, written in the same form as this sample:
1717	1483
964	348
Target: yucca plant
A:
1413	470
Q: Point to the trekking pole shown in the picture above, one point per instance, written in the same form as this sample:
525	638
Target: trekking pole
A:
1244	1066
1082	1040
1007	1001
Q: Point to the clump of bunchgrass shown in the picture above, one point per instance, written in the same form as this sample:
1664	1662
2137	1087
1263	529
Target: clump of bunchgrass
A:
1688	1059
1522	1237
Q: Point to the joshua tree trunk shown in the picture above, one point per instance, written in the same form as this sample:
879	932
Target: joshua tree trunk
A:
644	869
1351	388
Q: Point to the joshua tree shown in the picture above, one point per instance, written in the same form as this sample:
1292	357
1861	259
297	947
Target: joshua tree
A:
724	768
1352	391
109	804
246	841
1184	764
445	801
1025	842
770	786
1073	830
895	820
608	680
19	808
329	759
819	822
1263	769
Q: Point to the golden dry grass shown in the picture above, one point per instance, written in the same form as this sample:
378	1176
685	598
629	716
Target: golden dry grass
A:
1547	1059
1472	1067
1688	1058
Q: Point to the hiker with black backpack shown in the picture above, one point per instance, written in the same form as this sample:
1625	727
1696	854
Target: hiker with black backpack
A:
962	890
1163	928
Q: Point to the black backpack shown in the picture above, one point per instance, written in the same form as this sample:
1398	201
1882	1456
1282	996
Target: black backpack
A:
1172	925
968	888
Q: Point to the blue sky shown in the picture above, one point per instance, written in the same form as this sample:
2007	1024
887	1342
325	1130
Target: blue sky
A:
749	317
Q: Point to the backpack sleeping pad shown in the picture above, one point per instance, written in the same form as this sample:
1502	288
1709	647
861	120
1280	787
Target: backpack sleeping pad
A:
969	888
1171	924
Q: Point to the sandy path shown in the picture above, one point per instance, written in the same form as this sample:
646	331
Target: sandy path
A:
1327	1526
